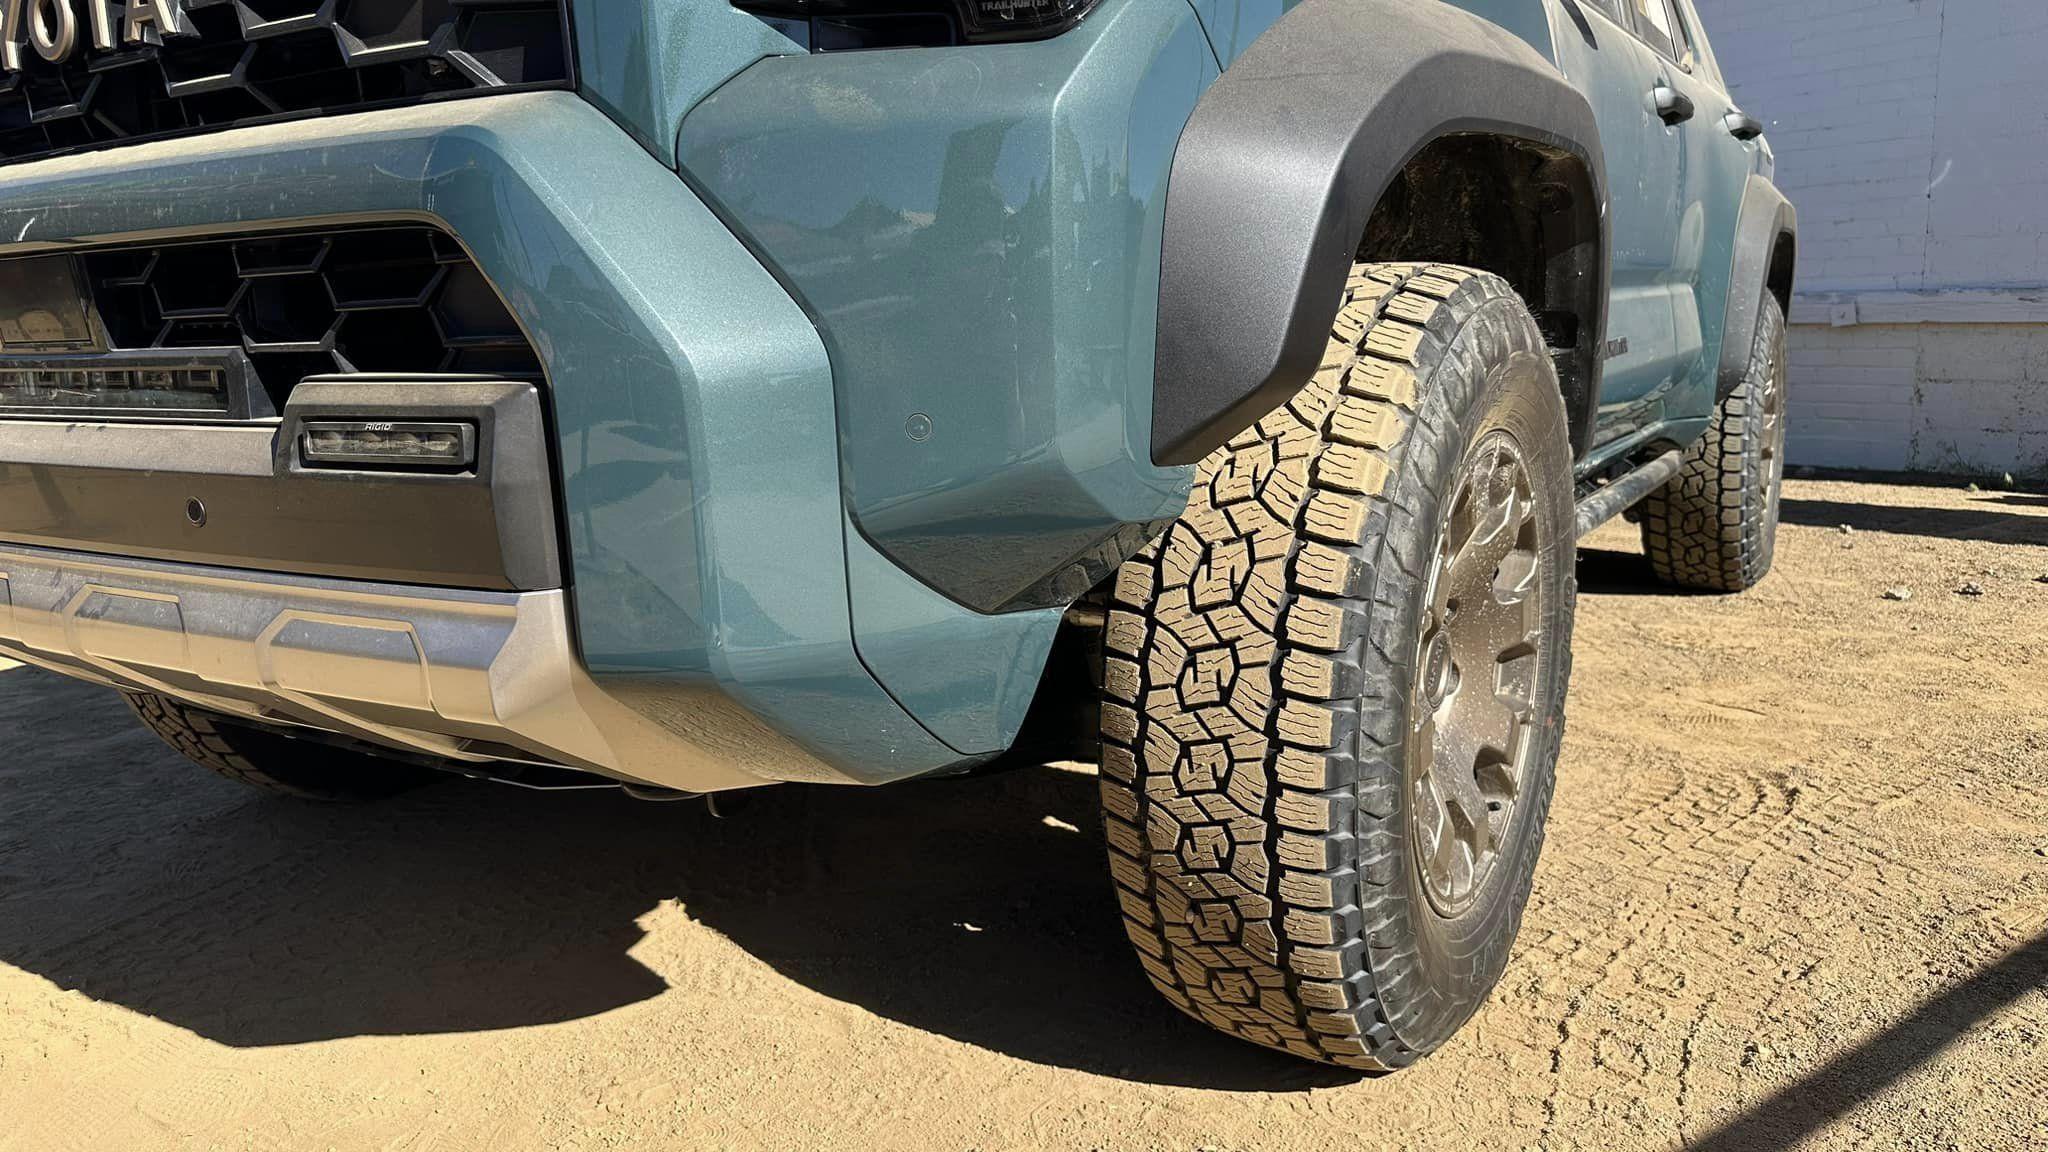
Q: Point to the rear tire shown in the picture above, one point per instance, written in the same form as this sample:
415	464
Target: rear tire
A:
1323	796
297	768
1714	526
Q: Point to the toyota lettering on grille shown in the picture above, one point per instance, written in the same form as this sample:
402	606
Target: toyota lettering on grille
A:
53	27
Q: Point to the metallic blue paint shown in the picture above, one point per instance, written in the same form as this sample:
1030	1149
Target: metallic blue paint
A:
1674	196
1528	19
967	677
692	399
1232	25
1674	193
976	232
648	62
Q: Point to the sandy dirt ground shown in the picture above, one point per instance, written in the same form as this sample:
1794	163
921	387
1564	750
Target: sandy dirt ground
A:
1795	894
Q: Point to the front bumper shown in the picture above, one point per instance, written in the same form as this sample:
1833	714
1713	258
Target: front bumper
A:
713	582
463	676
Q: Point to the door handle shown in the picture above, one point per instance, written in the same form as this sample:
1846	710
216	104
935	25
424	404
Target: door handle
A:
1673	106
1742	125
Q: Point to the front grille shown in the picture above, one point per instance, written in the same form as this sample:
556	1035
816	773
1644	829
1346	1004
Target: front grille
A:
396	299
252	60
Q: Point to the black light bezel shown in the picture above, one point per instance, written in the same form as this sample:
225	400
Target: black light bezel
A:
823	25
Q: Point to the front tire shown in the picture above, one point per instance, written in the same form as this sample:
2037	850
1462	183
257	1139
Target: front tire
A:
298	768
1714	526
1334	689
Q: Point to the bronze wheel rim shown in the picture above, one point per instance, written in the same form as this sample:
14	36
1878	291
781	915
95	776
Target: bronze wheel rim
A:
1772	433
1473	706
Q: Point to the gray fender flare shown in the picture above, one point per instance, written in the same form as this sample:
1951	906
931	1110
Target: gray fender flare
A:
1279	169
1766	218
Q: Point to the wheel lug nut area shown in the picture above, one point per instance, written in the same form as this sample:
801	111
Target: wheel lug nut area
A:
1438	673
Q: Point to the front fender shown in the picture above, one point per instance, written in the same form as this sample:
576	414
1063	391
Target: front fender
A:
1279	169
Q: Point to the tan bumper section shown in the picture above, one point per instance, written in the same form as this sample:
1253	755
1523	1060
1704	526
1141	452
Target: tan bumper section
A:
467	676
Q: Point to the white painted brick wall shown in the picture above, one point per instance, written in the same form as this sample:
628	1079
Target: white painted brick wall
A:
1913	137
1981	403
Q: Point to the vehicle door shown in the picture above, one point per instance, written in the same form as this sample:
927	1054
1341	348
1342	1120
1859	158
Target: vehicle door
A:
1720	144
1702	166
1602	52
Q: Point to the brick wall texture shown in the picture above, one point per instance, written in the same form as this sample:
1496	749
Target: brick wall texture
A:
1913	137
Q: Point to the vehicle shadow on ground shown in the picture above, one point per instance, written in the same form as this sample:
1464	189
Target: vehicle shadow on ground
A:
2019	499
1827	1094
2003	518
978	909
1608	572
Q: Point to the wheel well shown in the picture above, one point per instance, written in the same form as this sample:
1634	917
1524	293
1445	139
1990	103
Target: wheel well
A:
1779	278
1523	211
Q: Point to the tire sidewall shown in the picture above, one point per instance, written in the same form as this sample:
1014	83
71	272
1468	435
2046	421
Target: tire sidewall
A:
1763	476
1437	970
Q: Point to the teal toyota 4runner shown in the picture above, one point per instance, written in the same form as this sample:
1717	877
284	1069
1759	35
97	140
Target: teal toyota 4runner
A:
703	394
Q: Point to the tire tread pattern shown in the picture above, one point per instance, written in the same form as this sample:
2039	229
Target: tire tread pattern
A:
1245	728
1713	527
272	763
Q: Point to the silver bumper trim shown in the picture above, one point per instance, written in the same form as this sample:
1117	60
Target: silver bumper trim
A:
468	676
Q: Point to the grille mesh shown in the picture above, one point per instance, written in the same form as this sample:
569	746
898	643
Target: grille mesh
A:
270	59
399	299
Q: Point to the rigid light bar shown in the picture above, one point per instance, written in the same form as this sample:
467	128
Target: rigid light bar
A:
372	443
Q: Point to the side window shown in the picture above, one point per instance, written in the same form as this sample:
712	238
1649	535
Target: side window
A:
1696	38
1654	24
1681	38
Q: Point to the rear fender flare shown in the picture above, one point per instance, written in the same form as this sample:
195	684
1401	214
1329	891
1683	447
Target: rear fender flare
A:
1767	220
